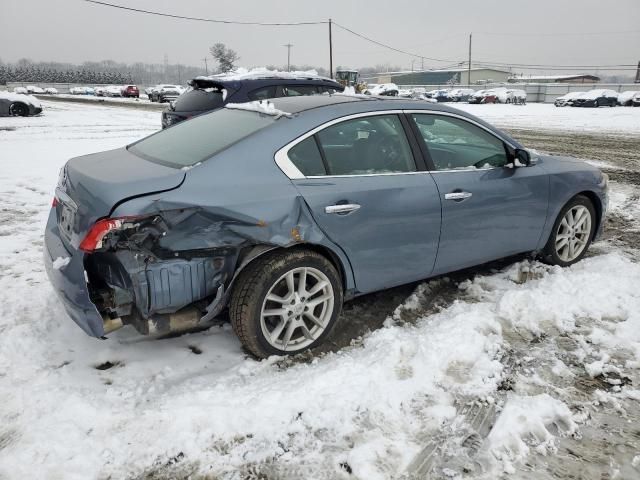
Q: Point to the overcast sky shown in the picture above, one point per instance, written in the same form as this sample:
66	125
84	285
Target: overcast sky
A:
519	31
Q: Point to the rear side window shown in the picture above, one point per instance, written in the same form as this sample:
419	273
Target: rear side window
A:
198	101
262	93
298	90
368	145
306	157
198	139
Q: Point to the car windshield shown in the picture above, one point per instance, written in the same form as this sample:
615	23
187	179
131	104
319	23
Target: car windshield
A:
198	139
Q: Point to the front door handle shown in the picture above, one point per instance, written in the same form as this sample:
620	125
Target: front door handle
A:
457	195
342	209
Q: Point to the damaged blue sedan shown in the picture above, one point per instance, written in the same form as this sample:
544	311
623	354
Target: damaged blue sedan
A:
281	211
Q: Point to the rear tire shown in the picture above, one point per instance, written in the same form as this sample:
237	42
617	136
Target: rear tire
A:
285	302
572	233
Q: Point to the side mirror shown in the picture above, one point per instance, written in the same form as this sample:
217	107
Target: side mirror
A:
521	158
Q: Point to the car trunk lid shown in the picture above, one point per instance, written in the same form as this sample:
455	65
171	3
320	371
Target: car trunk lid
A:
91	186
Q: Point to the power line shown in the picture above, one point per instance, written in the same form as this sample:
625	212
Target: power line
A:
392	48
199	19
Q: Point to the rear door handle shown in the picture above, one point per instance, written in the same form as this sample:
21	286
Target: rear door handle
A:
342	209
457	195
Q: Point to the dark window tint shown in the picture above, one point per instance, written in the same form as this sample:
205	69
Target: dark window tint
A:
298	90
188	143
367	145
262	93
328	89
198	100
457	144
306	156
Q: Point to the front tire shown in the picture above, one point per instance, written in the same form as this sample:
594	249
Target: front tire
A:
572	233
285	302
18	110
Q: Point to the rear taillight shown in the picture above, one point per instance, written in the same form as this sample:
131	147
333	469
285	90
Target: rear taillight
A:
94	237
54	202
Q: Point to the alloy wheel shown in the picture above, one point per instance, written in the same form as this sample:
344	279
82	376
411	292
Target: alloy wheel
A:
297	309
573	233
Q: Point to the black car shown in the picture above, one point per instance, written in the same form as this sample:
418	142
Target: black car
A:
595	98
209	93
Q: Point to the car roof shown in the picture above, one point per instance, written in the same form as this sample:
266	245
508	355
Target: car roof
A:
374	102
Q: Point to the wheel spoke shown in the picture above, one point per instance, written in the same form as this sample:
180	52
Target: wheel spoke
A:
302	283
291	284
582	219
276	332
562	242
314	319
572	251
306	332
274	312
565	223
287	336
317	287
272	297
321	299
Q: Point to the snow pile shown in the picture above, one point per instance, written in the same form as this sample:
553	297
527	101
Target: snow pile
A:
526	423
241	73
20	97
261	106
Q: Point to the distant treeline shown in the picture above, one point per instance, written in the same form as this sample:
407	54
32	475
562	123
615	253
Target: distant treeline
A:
110	72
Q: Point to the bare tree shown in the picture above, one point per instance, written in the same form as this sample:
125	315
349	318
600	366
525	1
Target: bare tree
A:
225	57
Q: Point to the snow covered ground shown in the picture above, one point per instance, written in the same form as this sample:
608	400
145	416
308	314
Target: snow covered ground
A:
499	371
544	116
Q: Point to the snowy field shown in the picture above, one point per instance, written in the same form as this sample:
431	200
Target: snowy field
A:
515	370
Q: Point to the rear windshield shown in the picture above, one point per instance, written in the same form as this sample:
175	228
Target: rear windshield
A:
198	139
198	101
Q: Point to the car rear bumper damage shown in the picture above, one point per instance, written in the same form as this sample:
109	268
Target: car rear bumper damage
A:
156	292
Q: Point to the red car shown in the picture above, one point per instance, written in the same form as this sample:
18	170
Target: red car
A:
130	91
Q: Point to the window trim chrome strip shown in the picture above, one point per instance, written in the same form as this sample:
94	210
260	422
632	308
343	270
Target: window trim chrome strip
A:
285	164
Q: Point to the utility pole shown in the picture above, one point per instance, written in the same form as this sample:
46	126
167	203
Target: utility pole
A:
638	74
330	52
288	45
469	69
206	67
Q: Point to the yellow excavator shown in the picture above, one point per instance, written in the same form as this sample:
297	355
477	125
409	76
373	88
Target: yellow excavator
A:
351	78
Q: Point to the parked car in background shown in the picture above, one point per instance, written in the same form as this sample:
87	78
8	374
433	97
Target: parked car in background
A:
635	100
100	91
51	91
20	90
625	99
461	94
82	91
384	89
130	91
516	96
484	96
34	89
596	98
564	100
113	91
165	93
18	105
281	210
209	93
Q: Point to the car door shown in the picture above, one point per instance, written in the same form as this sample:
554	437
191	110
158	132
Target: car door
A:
490	208
358	176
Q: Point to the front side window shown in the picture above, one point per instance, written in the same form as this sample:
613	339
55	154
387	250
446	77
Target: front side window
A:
366	145
198	139
455	144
